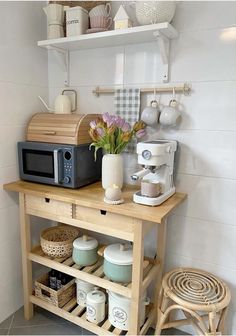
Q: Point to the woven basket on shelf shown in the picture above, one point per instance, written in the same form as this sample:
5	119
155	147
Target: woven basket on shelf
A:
57	241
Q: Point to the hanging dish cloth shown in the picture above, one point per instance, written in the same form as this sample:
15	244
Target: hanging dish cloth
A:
127	106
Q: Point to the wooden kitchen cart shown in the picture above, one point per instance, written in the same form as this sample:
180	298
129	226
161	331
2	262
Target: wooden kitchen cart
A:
85	208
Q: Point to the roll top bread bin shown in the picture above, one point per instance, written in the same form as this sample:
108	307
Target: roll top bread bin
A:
60	128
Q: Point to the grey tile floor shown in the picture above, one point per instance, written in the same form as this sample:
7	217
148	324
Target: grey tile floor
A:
46	323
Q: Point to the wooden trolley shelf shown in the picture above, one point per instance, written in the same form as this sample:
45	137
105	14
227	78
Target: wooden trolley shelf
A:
93	274
85	208
77	314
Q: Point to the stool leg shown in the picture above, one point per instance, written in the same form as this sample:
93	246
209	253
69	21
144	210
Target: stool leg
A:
212	323
221	324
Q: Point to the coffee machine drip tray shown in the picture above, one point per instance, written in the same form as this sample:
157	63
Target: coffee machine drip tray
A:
152	201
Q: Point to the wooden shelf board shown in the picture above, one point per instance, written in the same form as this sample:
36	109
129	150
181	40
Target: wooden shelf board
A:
75	314
140	34
93	274
92	197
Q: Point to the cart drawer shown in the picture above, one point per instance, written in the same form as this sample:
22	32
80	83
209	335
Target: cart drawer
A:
105	219
48	205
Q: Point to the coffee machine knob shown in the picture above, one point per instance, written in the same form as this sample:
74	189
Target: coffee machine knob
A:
66	179
146	154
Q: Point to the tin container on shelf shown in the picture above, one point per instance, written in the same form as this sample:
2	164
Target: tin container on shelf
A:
77	21
95	303
82	289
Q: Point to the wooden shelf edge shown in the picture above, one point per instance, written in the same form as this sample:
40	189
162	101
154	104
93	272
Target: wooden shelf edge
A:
69	317
95	280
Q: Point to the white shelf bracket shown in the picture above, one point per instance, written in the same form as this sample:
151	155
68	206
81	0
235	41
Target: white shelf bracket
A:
63	59
164	47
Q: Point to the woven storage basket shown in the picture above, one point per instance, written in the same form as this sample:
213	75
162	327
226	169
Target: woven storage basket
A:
58	298
57	241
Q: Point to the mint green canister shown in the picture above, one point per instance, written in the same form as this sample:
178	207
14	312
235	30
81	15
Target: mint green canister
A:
118	261
85	251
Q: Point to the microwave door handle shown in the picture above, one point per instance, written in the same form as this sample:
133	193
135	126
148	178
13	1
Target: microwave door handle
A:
55	158
57	165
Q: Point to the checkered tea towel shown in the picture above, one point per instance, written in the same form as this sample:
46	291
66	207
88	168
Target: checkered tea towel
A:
127	106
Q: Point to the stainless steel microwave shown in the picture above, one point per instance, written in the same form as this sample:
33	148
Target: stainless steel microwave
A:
62	165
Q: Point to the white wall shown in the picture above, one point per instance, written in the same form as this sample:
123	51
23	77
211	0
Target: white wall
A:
202	232
23	76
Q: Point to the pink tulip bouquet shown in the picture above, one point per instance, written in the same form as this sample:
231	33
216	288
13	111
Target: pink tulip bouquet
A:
112	133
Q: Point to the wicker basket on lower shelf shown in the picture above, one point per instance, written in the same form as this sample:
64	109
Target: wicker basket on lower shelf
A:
58	298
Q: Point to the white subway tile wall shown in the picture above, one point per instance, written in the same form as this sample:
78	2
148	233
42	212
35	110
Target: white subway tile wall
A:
23	76
201	233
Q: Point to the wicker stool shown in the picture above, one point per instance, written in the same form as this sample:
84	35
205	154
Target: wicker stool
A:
201	297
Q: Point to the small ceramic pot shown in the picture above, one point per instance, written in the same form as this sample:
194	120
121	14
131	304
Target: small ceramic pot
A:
118	261
85	251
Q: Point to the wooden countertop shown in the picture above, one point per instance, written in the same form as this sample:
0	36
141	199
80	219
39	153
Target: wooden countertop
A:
92	196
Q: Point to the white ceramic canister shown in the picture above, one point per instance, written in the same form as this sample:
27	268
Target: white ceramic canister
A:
119	310
82	289
77	21
95	303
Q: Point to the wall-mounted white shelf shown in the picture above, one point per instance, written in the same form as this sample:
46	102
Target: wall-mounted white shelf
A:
162	33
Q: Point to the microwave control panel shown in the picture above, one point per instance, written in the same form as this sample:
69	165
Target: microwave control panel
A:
67	166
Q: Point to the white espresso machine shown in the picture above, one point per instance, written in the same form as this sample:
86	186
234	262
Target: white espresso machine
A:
157	159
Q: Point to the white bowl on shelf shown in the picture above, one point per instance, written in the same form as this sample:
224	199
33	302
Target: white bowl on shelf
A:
149	12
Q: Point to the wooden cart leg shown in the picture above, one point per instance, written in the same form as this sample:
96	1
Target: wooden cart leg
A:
161	247
137	278
26	264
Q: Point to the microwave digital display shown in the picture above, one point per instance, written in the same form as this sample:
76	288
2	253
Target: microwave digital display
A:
38	163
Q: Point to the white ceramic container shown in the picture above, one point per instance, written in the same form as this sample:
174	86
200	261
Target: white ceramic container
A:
95	303
112	170
119	310
85	251
82	289
77	21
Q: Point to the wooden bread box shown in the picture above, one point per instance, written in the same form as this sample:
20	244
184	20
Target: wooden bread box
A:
60	128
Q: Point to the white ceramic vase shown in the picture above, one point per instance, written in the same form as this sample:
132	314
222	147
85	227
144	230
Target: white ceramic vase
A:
112	170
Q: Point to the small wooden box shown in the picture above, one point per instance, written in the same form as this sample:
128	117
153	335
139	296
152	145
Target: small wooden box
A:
69	129
58	298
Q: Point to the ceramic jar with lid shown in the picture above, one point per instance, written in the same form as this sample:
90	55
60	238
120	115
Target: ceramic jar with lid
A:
85	251
95	303
119	310
118	260
82	289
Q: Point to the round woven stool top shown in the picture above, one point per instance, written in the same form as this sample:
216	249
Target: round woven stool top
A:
196	289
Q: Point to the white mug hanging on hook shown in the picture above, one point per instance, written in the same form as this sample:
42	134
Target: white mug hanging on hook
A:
151	113
170	115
